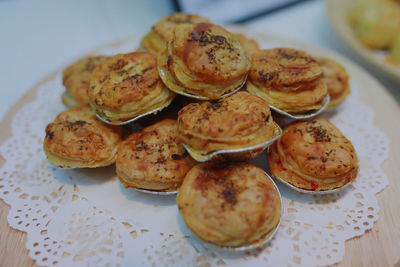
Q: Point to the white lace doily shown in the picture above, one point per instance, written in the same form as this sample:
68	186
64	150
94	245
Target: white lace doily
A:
86	217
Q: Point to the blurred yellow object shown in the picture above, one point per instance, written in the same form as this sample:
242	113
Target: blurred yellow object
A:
395	49
376	22
358	9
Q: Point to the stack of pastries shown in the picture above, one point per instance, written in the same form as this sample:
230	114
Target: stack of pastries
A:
199	143
288	79
203	60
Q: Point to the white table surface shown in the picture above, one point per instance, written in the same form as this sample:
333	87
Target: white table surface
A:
37	37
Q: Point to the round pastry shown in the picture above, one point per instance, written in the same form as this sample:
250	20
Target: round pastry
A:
127	86
336	80
153	158
313	155
76	78
249	45
203	61
156	40
230	205
288	79
241	120
77	139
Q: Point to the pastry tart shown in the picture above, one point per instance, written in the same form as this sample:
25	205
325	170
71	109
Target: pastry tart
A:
153	159
78	139
336	80
126	87
156	40
203	61
76	78
249	45
234	205
288	79
313	156
239	123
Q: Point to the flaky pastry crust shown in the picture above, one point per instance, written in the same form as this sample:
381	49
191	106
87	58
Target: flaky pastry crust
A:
229	205
249	45
336	80
156	40
76	79
240	120
203	60
126	86
313	155
287	79
153	158
77	139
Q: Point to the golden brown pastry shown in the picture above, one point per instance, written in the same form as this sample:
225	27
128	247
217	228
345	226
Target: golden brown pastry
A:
336	80
127	86
153	158
203	60
230	205
249	45
76	78
156	40
238	121
313	155
77	139
288	79
170	112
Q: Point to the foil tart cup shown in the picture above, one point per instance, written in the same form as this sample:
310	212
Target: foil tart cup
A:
154	192
153	111
236	154
306	115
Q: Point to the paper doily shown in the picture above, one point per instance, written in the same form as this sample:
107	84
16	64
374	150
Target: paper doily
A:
86	217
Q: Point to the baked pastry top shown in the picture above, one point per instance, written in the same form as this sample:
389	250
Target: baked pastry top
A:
240	120
313	155
153	158
76	78
77	139
203	60
229	205
249	45
156	40
336	80
288	79
127	86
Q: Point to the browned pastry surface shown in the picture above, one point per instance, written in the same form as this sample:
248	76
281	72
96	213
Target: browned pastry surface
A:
240	120
153	158
76	138
313	155
203	59
76	78
249	45
126	86
229	205
156	40
336	79
288	79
